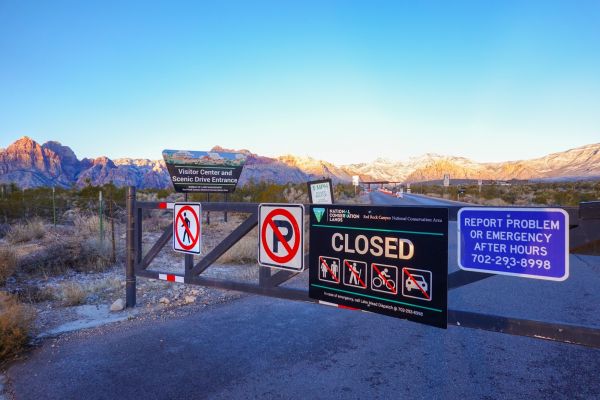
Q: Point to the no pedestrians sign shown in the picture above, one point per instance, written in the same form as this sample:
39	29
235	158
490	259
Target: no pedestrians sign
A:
186	228
281	236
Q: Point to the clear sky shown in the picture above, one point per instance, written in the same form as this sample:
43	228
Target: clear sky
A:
345	81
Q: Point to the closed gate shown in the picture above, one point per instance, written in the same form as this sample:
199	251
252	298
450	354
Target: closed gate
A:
584	232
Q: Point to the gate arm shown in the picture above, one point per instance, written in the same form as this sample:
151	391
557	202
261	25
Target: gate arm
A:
566	333
226	244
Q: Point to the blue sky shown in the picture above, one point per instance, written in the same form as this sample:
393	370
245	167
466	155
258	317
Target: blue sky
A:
345	81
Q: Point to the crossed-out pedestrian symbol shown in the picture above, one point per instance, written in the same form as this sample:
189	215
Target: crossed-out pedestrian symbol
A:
187	228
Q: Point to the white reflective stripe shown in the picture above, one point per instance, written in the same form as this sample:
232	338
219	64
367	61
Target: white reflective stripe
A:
170	206
171	277
325	303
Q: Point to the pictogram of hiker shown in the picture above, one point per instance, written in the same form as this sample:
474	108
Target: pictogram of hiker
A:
355	274
187	222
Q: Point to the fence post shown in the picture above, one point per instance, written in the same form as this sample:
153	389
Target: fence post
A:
225	212
113	256
129	266
208	212
100	216
53	207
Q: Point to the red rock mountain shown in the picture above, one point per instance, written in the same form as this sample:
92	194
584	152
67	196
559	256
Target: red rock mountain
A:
29	164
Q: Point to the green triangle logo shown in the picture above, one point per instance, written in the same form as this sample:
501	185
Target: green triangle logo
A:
318	213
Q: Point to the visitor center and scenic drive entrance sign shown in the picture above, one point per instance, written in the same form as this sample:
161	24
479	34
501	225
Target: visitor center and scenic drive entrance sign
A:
389	260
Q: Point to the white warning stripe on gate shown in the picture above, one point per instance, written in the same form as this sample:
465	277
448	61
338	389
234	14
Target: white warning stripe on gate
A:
170	278
326	303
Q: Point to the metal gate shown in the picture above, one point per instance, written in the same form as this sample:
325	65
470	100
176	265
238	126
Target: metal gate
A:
584	233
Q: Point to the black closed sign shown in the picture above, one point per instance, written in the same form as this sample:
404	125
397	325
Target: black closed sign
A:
387	260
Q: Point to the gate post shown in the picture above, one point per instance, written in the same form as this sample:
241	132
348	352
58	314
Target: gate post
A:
131	251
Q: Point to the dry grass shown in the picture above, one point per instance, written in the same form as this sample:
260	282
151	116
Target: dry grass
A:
86	225
16	321
25	232
243	252
104	286
31	293
79	254
72	294
8	263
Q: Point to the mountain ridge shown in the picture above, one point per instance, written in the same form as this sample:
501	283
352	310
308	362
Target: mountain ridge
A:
29	164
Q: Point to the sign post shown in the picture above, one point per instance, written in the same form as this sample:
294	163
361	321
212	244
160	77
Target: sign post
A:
446	180
387	260
525	242
281	236
186	228
204	171
320	192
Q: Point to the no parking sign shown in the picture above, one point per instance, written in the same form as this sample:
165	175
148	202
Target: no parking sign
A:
281	236
186	228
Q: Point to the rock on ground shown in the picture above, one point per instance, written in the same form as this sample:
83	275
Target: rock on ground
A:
118	305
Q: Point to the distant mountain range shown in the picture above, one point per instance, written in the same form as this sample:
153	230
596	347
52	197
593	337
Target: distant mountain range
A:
29	164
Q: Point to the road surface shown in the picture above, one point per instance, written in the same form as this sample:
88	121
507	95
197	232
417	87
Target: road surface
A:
259	347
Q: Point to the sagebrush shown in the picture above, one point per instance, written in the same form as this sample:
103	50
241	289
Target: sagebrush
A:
26	231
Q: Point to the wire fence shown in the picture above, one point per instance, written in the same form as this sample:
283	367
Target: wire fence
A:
60	206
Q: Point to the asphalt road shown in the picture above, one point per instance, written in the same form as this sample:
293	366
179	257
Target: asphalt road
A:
259	347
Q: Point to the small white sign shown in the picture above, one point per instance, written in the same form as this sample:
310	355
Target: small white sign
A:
321	192
355	180
446	180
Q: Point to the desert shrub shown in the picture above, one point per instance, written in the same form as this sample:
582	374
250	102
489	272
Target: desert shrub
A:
541	198
31	293
509	197
95	255
86	225
72	294
8	263
16	321
24	232
83	255
163	193
4	229
343	191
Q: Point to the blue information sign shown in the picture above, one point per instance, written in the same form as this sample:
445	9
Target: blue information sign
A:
526	242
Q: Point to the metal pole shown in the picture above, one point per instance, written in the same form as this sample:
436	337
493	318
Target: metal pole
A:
113	257
100	217
208	212
53	207
188	259
225	212
129	266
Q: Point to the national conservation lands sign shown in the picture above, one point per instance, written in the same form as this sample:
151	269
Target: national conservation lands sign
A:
387	260
204	171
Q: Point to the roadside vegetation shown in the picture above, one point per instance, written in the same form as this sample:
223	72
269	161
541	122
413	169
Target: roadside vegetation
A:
62	249
16	320
517	193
